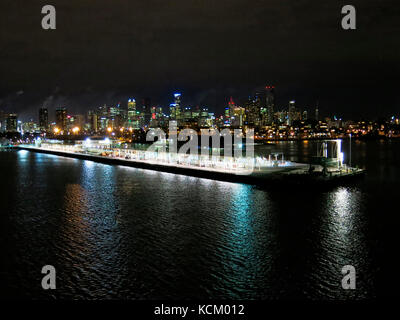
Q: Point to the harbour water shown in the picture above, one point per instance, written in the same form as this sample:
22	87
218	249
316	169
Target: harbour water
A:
115	232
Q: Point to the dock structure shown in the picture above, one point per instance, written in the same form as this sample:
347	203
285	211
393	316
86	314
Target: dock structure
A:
255	170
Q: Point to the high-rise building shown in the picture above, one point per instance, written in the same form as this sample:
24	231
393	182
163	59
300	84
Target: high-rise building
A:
12	122
281	116
145	113
102	118
75	121
2	121
292	112
253	111
270	104
237	119
316	112
229	110
187	114
131	110
178	107
196	112
43	119
133	117
29	126
61	119
261	105
91	121
172	111
157	117
115	116
177	100
203	116
231	106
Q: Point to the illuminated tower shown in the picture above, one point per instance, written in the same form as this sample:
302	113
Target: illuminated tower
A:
175	109
43	119
12	122
270	104
131	112
253	112
178	107
231	106
292	112
177	100
229	111
172	111
61	119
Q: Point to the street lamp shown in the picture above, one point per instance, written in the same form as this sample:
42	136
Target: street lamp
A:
350	151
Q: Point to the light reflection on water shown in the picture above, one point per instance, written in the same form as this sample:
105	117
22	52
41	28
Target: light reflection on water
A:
118	232
340	241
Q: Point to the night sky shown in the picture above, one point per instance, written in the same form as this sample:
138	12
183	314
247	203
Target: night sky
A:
105	51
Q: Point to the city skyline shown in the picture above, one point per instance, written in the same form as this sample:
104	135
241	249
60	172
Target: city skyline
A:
131	120
15	103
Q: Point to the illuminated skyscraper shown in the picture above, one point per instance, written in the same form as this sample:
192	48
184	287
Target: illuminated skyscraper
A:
61	119
2	121
157	117
187	114
203	117
43	119
292	112
253	111
270	104
229	111
92	121
237	119
132	116
177	100
231	106
12	122
172	111
176	109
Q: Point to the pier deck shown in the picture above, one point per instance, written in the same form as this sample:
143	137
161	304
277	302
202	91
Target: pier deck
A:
258	176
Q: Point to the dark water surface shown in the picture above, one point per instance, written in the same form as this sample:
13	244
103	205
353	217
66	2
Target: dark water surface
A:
123	233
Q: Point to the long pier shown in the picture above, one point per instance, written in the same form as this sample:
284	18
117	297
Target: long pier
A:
260	177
